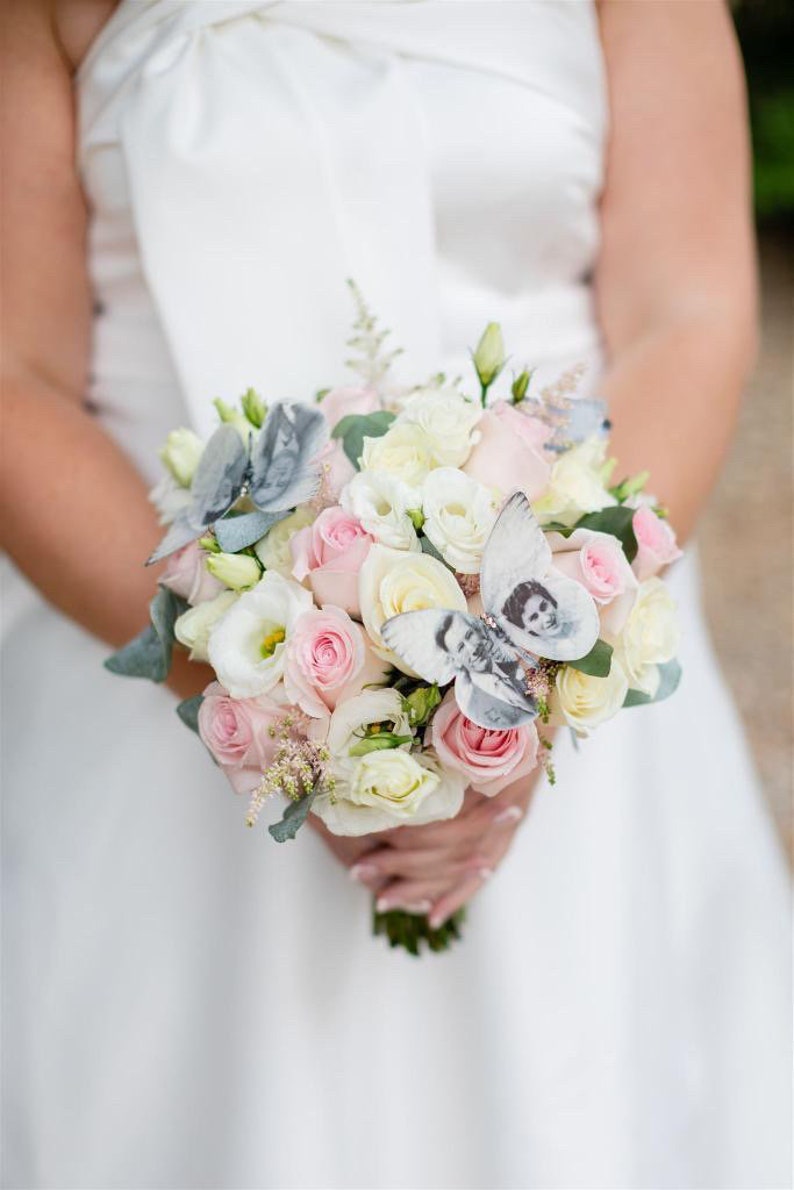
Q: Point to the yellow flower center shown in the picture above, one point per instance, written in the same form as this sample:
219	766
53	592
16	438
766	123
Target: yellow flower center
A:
269	643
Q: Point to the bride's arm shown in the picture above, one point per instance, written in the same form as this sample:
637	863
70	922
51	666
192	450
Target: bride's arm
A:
675	282
74	511
676	299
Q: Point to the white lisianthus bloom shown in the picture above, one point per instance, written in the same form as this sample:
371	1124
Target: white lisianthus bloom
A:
650	636
192	629
169	498
246	648
576	484
352	720
181	454
386	789
404	451
381	503
448	419
584	702
459	515
273	550
392	582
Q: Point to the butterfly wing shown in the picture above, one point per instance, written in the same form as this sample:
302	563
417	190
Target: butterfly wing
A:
542	614
217	484
284	468
488	687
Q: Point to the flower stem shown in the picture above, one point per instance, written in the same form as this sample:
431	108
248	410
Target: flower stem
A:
412	930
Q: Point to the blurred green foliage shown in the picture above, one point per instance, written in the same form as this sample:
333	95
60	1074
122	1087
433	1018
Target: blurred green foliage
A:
766	35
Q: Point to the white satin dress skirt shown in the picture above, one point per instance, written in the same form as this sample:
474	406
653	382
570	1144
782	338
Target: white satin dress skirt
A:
188	1005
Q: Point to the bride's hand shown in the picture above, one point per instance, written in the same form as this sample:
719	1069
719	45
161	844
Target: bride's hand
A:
437	868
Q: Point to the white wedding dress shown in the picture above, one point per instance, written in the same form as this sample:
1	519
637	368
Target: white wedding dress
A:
186	1003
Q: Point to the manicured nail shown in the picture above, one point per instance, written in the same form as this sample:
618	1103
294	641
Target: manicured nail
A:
435	923
363	871
485	873
510	814
383	905
418	907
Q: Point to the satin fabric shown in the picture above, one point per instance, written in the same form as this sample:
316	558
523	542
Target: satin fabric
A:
188	1005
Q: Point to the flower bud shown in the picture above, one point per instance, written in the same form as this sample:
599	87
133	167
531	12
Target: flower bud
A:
181	454
233	417
253	407
520	385
237	571
489	358
421	703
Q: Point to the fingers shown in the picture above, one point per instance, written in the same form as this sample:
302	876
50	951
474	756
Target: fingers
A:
450	902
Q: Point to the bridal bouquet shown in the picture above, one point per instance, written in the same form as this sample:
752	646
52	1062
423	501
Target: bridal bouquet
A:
395	586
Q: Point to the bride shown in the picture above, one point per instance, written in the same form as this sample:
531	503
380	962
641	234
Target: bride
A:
185	1006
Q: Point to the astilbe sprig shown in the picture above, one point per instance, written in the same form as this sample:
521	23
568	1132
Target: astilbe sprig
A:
371	362
298	768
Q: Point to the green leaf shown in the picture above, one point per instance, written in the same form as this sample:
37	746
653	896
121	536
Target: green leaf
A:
188	711
669	677
148	655
421	703
598	661
616	520
379	742
429	548
293	818
412	930
354	428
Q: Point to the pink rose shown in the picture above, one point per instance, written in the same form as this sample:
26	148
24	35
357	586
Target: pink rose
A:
340	402
237	732
337	471
596	560
186	575
330	553
490	760
656	543
509	455
327	659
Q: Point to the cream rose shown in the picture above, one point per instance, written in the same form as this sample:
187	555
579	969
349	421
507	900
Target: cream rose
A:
273	550
192	629
459	515
385	789
381	504
576	485
247	647
392	582
650	636
404	451
448	419
584	702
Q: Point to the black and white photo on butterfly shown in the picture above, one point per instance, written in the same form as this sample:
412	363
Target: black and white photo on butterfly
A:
529	614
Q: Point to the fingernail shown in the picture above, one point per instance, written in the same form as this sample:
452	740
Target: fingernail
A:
418	907
509	814
435	923
383	905
363	871
485	873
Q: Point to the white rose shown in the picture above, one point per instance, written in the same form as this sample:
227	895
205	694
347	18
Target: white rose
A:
381	503
576	484
246	648
650	636
273	550
448	419
392	582
352	719
387	789
404	451
459	515
192	629
584	701
181	454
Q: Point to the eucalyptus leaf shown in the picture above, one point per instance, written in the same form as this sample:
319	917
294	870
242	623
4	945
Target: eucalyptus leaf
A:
669	677
235	533
148	655
354	428
188	711
598	661
293	818
617	520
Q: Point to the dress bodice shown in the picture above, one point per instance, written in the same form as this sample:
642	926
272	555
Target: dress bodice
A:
243	158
